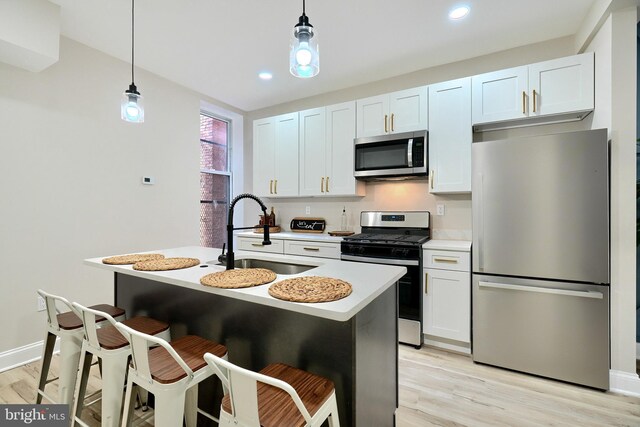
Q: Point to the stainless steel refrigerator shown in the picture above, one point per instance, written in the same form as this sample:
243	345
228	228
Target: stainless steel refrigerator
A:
540	282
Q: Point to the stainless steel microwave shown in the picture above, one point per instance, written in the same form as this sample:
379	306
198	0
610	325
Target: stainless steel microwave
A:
401	155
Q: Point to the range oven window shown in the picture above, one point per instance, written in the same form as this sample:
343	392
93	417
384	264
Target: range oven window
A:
409	294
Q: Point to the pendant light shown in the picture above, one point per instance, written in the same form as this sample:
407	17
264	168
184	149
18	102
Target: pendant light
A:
304	61
131	107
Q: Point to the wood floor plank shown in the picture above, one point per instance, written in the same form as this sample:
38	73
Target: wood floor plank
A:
437	388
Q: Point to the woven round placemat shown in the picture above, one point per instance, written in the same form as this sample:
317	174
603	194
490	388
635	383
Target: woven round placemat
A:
166	264
310	289
131	259
239	278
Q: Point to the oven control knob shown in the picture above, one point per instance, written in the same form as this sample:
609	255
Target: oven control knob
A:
360	250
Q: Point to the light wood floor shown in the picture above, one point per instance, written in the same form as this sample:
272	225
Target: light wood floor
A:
438	388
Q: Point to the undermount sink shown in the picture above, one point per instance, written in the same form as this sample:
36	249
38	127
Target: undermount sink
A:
276	267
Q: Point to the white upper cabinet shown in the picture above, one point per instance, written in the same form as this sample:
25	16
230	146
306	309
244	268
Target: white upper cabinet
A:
500	95
450	137
561	88
275	156
562	85
397	112
326	151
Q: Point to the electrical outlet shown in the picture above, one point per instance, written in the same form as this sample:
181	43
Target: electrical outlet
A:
307	210
439	209
41	304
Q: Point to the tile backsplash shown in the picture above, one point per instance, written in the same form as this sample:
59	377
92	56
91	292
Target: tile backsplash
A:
455	224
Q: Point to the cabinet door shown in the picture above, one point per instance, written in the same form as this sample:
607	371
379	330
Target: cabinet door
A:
447	304
264	144
312	152
500	95
408	110
255	244
340	132
373	116
450	136
286	156
562	85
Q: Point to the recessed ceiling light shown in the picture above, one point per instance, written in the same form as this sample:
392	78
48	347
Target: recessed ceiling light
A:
265	75
459	12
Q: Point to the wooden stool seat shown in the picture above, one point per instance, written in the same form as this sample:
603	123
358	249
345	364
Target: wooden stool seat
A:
70	320
110	338
164	368
276	407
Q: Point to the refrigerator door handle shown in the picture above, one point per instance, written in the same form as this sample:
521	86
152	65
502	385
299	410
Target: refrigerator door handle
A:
480	223
554	291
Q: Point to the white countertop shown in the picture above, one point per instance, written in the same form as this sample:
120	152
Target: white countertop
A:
368	280
288	235
448	245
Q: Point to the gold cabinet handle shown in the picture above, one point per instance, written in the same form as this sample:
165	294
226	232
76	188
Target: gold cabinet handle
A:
275	186
386	129
534	100
524	102
392	122
431	178
326	187
257	244
322	184
426	283
311	249
270	186
449	260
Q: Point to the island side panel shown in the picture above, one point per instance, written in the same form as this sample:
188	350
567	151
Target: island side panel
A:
254	334
377	361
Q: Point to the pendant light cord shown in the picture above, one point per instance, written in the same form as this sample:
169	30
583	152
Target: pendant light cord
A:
303	8
132	37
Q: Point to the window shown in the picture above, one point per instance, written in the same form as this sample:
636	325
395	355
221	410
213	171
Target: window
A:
215	180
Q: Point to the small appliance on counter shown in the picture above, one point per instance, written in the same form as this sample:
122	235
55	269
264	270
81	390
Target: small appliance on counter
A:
395	238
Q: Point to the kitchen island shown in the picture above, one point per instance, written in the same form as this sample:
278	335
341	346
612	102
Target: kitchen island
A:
352	341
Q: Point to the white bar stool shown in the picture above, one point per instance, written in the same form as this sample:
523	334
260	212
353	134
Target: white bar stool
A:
68	327
279	395
113	349
172	372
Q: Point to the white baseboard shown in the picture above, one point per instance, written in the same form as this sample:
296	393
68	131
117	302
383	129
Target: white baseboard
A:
22	355
626	383
451	345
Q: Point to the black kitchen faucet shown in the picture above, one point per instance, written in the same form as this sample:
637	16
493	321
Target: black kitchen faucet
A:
229	258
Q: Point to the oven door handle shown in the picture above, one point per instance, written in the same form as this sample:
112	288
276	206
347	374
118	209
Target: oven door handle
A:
380	260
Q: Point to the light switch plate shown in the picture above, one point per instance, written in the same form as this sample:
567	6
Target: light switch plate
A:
307	210
439	209
41	304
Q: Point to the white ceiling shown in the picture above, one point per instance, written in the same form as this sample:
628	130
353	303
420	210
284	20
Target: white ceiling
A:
218	47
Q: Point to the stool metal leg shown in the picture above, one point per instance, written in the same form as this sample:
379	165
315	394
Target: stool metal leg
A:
191	406
169	409
113	381
127	415
81	390
70	346
47	353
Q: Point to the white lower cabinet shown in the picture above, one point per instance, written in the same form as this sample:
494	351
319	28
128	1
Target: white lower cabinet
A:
255	244
315	249
291	247
447	295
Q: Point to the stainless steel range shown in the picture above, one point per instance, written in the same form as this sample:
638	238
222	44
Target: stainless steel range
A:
395	238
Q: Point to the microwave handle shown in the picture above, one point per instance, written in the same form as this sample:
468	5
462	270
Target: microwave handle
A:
410	153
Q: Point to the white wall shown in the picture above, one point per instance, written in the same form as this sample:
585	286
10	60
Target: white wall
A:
71	180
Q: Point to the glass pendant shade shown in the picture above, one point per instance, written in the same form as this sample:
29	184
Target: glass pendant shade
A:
304	58
132	106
